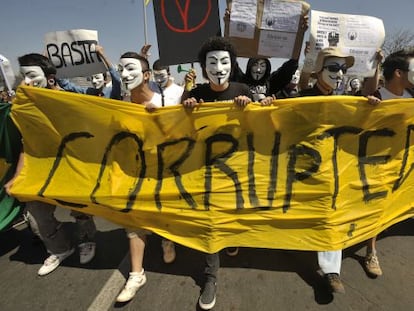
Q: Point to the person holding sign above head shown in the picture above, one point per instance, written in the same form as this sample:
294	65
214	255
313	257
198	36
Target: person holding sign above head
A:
38	71
217	58
330	67
100	84
398	72
259	76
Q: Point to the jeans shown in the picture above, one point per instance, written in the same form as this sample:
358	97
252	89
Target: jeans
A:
86	228
43	223
212	264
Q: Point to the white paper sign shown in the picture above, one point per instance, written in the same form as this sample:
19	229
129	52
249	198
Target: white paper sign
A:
7	73
276	43
243	18
278	30
356	35
281	16
73	52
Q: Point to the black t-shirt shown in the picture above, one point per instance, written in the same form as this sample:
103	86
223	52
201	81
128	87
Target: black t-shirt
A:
315	91
205	93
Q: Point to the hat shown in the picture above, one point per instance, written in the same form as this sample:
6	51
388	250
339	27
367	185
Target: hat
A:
331	52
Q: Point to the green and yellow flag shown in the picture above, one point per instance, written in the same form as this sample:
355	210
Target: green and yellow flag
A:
10	142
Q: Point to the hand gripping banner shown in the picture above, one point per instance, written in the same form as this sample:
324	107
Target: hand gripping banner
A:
312	173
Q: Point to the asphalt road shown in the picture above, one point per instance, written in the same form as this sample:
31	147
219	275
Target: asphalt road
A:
256	279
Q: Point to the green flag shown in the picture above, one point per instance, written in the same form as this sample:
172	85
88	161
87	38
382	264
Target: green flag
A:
10	146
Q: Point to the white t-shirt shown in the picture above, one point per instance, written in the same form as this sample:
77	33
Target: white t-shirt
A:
172	94
385	94
156	100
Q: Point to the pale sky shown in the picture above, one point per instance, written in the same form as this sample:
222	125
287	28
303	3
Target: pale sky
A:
120	23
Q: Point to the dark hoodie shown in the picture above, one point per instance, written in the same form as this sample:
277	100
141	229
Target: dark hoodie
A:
259	88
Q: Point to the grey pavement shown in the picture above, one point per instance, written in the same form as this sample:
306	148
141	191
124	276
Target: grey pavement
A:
256	279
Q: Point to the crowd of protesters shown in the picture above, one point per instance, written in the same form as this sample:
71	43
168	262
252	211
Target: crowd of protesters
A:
155	88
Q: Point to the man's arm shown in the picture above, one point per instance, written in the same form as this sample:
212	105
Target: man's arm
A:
116	83
71	87
371	84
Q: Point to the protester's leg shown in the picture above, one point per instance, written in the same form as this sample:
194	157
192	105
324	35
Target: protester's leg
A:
56	239
85	226
330	261
371	245
207	298
86	231
137	249
371	261
330	264
137	278
168	250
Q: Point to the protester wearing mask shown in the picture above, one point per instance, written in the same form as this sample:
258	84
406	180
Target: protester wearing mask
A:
217	58
38	71
100	85
330	67
257	77
164	84
355	85
171	93
136	74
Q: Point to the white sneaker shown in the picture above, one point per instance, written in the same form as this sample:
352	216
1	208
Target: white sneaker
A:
135	281
53	261
86	252
168	248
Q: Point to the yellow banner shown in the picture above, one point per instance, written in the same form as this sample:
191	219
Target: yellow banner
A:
316	173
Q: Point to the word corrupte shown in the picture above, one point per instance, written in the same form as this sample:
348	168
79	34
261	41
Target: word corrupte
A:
295	152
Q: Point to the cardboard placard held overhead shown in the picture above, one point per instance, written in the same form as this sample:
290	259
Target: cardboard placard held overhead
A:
73	52
357	35
266	28
182	29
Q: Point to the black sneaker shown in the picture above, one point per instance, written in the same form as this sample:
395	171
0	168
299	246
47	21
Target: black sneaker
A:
207	298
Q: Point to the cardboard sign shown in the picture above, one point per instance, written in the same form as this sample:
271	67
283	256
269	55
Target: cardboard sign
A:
181	30
356	35
73	53
265	28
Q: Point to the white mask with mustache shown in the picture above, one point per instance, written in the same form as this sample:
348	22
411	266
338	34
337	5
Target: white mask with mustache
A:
130	70
34	75
333	79
258	69
161	77
98	81
218	66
